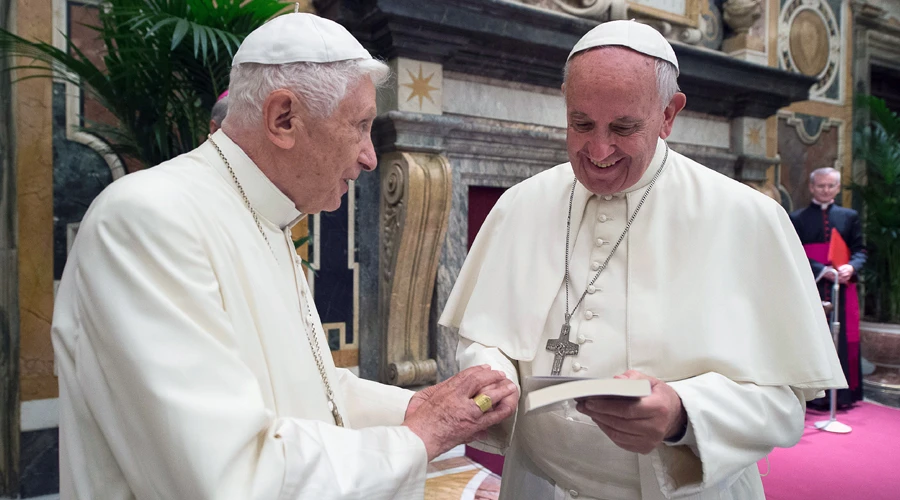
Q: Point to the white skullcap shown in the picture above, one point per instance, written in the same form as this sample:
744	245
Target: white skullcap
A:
299	37
631	34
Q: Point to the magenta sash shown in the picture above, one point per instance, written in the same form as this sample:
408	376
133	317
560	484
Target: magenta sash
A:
819	252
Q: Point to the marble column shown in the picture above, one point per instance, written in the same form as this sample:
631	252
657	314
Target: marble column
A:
32	117
34	179
9	304
749	137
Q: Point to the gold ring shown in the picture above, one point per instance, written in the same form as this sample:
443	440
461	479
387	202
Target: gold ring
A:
484	402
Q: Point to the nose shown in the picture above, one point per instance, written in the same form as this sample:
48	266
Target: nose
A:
367	157
600	146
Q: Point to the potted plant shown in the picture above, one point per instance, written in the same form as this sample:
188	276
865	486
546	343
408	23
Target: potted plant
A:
165	63
877	144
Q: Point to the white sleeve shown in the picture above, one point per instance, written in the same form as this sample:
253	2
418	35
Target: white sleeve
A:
157	363
370	404
470	354
731	426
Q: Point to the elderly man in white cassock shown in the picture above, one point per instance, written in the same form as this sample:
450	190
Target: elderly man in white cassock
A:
628	256
192	363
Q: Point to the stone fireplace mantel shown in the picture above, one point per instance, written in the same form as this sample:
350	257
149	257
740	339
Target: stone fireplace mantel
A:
519	43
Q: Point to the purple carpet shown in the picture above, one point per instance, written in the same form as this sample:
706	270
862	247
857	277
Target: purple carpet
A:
861	465
864	464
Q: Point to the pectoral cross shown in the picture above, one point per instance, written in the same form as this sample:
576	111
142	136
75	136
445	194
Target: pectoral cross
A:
562	347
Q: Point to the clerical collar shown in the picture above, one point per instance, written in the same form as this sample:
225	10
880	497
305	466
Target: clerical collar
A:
268	201
823	206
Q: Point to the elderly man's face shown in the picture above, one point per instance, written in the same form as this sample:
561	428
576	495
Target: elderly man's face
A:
825	187
334	150
614	117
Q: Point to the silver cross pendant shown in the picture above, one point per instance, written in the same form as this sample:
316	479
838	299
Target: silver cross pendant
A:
562	347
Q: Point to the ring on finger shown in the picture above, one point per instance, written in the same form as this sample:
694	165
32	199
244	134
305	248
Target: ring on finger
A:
484	402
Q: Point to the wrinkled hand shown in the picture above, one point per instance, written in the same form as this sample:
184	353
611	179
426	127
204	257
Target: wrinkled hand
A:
445	415
845	272
639	425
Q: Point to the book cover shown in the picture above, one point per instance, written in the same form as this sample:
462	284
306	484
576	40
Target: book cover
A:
545	391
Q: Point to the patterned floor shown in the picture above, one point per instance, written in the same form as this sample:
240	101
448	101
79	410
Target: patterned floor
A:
453	476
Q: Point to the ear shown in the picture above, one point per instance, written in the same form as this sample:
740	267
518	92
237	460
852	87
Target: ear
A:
282	118
562	89
675	106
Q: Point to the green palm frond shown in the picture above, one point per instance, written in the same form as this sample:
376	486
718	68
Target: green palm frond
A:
877	142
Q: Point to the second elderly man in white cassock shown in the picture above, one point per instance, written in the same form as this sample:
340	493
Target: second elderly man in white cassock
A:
192	364
630	255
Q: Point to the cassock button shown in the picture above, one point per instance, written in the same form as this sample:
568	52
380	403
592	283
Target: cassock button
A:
595	265
570	419
592	289
603	218
576	366
607	197
581	339
600	242
573	493
588	314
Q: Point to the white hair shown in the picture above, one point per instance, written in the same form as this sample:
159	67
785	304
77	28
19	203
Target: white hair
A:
321	86
824	171
666	81
666	78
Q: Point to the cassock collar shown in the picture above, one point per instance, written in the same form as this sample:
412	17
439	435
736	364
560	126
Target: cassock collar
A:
823	206
268	201
582	192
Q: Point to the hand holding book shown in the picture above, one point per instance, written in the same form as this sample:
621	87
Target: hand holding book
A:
638	424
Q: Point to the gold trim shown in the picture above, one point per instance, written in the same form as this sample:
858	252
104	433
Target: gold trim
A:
691	17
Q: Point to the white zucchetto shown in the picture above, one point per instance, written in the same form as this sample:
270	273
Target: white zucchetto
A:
631	34
299	37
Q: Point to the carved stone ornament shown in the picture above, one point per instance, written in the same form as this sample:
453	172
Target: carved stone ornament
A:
683	34
415	210
741	15
600	10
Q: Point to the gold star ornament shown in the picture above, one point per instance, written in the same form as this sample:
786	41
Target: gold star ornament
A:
754	136
420	86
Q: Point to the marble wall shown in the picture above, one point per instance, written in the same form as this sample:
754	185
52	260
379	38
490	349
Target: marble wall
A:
814	38
34	153
9	304
39	463
805	143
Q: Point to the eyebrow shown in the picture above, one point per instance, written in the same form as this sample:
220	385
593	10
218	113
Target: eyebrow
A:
628	120
619	120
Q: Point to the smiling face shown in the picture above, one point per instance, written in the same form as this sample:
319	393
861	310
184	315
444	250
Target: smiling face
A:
318	156
614	117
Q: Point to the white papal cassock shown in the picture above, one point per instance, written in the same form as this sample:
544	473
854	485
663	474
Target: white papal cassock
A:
184	369
710	291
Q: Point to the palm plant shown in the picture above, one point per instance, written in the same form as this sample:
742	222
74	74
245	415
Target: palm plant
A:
877	142
158	85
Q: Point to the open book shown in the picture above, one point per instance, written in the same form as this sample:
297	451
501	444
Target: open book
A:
543	391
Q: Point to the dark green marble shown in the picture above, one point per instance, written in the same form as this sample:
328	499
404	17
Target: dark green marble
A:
79	174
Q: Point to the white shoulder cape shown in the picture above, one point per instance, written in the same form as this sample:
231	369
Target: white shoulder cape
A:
717	280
